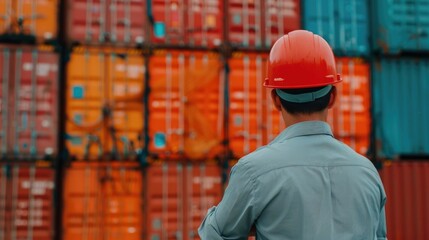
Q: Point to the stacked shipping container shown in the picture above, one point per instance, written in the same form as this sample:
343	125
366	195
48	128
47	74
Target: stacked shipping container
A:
125	102
400	69
29	125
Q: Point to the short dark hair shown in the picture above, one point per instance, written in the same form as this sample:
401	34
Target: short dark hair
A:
309	107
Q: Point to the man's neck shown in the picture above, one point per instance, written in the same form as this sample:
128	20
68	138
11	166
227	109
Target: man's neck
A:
290	119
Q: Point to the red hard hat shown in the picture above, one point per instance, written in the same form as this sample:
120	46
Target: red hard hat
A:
301	59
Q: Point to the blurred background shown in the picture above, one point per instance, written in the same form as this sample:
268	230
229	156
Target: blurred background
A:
121	119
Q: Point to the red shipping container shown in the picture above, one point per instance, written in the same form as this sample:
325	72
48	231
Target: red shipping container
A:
281	17
103	201
188	22
110	21
26	202
29	102
204	22
179	196
104	103
169	22
245	23
407	210
38	18
248	103
186	104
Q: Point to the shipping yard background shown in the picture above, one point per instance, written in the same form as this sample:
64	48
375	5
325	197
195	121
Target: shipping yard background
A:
122	119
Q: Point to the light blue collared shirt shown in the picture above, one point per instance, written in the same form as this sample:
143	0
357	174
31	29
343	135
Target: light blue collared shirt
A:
303	185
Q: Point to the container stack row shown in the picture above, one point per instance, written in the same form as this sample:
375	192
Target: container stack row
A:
29	104
121	119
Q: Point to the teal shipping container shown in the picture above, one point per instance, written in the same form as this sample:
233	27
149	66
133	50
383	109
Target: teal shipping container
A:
400	111
400	26
343	23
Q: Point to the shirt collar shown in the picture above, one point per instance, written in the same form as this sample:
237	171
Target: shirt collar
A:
304	129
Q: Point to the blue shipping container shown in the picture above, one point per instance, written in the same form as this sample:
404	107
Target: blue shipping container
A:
401	25
400	111
343	23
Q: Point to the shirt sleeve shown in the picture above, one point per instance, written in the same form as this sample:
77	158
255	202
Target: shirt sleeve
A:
235	214
382	231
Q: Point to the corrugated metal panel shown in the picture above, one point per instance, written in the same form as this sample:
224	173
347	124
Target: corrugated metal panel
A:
400	109
26	202
186	104
180	195
248	103
39	18
109	21
245	23
343	23
190	22
281	17
407	212
29	102
204	22
169	22
104	103
350	118
401	25
103	200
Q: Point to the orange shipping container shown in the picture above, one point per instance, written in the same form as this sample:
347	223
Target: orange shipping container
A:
104	103
350	118
248	103
103	201
179	196
186	106
31	17
26	202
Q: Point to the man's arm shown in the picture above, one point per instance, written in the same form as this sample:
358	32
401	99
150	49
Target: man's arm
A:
235	214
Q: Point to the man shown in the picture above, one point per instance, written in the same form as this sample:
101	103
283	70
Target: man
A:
304	184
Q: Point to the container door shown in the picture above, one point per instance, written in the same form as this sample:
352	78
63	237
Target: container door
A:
166	206
87	21
86	99
126	21
247	103
245	29
351	113
204	23
281	17
169	26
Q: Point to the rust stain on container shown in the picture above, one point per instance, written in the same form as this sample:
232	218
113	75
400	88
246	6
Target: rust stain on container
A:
103	200
29	102
186	105
104	103
26	202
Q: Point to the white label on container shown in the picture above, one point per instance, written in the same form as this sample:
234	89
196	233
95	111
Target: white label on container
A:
134	71
43	69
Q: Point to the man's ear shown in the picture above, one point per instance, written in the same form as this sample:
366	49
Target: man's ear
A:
333	97
276	100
